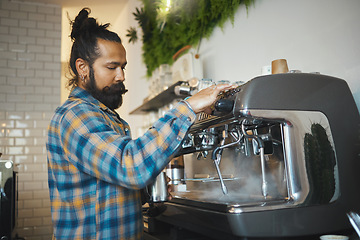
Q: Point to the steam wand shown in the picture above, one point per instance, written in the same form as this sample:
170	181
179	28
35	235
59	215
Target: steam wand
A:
216	155
264	187
217	160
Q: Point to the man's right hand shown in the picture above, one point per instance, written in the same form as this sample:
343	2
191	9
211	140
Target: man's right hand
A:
204	99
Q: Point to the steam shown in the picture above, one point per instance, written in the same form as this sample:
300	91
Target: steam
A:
242	177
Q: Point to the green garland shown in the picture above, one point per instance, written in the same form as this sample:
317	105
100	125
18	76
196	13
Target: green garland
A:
185	22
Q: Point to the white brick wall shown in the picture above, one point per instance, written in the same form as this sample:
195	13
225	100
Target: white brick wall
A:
30	36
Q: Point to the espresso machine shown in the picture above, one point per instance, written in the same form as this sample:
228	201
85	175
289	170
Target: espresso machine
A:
279	157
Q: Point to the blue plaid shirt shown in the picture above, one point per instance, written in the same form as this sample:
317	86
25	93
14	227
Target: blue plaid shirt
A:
96	170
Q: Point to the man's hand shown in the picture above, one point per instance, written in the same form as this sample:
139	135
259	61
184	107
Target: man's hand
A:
204	99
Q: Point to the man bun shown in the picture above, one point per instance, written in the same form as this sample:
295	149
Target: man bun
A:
83	25
77	24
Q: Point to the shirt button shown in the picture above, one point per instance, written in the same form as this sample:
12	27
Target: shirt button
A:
179	138
189	119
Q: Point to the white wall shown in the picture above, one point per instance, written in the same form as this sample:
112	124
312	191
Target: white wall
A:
320	35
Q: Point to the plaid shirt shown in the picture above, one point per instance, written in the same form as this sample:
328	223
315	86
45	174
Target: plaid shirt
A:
96	170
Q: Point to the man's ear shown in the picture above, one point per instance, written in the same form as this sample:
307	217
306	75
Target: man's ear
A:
82	67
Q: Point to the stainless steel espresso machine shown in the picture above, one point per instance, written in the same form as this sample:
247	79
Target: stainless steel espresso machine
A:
279	157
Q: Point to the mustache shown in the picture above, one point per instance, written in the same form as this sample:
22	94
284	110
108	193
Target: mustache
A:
118	88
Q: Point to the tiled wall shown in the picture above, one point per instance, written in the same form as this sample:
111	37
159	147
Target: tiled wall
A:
30	67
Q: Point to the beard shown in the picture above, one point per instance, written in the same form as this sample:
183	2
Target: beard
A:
110	96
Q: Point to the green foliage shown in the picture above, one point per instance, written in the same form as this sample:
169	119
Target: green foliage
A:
186	22
132	35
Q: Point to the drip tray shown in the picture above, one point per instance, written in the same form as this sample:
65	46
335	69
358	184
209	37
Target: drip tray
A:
224	203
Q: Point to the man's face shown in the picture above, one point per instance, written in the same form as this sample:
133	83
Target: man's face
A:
107	74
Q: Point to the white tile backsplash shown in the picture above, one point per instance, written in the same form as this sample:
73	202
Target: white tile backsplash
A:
24	141
16	81
26	56
6	54
27	40
17	47
10	22
7	142
14	133
34	115
39	158
27	24
28	8
42	194
26	177
24	124
18	15
35	132
24	107
4	13
33	203
8	72
3	63
32	222
14	150
42	212
7	124
37	17
41	177
28	186
36	48
25	213
19	31
23	159
2	97
30	36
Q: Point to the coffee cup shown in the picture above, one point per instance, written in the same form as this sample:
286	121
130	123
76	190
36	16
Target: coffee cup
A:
279	66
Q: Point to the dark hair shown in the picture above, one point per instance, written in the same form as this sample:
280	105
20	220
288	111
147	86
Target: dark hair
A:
85	33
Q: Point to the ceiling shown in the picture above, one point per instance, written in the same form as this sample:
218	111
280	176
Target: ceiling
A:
69	3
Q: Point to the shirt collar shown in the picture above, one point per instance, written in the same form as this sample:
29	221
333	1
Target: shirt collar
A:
77	92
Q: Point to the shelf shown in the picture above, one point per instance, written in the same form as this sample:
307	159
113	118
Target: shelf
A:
160	100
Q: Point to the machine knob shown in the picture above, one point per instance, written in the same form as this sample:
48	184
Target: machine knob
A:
224	105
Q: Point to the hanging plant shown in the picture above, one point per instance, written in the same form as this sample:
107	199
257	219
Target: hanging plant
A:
168	26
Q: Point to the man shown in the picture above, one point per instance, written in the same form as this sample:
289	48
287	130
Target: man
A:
95	169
